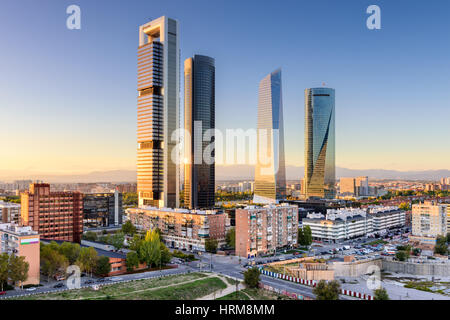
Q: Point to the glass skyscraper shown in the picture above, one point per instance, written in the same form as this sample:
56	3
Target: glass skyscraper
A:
199	115
158	113
270	172
319	143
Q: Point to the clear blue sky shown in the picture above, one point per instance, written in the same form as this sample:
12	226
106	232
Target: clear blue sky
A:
68	97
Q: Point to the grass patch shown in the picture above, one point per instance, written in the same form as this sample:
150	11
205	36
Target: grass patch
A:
235	296
122	290
232	281
422	285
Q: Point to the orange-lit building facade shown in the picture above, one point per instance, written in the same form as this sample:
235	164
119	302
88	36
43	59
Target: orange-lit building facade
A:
55	215
261	230
22	242
182	228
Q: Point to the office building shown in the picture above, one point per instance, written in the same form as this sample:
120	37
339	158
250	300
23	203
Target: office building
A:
199	115
55	215
158	113
356	187
102	209
347	186
9	212
261	230
270	172
22	242
182	228
320	143
429	220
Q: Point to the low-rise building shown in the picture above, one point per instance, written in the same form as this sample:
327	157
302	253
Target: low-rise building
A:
22	242
182	228
341	224
260	230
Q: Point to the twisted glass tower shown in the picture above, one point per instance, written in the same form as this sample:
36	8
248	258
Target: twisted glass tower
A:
270	172
319	143
199	115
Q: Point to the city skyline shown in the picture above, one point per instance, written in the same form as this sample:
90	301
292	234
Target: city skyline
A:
379	128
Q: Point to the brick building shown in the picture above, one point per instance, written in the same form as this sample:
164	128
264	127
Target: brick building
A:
55	215
263	229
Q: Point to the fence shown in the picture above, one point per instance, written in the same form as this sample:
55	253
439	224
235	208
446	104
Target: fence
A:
313	283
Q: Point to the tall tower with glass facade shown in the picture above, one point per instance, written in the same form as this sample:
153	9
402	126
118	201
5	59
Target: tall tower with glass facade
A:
199	115
319	143
158	113
270	172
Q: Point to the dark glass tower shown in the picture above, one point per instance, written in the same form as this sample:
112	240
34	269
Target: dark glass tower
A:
270	172
319	143
199	113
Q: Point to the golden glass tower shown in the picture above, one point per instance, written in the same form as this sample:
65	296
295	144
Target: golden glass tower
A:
158	113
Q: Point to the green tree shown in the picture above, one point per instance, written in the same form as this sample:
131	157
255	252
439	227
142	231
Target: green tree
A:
380	294
128	228
18	269
441	246
52	261
327	291
307	235
448	237
300	237
117	240
103	267
404	206
90	236
87	260
132	261
150	249
4	267
211	245
166	256
231	238
70	250
402	255
130	199
251	277
135	242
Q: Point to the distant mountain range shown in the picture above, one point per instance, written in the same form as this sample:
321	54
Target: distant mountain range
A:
237	172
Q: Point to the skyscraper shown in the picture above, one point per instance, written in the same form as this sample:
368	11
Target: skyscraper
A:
158	113
199	115
270	172
319	143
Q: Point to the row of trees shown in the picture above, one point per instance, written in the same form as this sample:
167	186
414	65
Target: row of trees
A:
56	258
149	250
13	268
331	290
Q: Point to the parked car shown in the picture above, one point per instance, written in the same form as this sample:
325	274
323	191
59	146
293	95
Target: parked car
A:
101	280
58	285
89	282
2	293
30	289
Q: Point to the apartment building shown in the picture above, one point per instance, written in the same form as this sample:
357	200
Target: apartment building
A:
429	220
261	230
55	215
182	228
9	212
22	242
341	224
